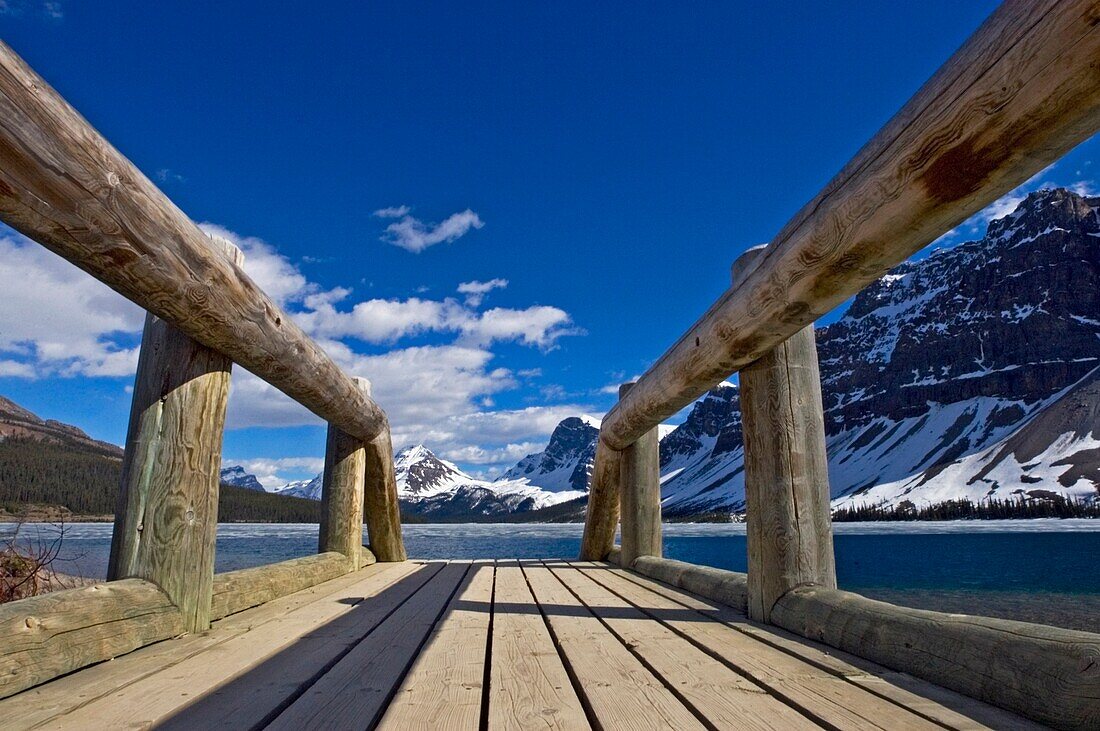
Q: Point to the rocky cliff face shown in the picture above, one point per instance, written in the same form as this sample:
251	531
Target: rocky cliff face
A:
939	367
566	463
238	477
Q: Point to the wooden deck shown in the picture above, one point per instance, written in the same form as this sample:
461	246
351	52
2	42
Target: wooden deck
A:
456	645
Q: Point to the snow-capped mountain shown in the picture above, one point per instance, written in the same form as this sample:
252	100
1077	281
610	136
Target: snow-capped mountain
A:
238	477
428	486
566	463
310	489
970	373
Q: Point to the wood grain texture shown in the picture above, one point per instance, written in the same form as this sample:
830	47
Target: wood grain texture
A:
728	587
601	517
240	682
1020	93
528	687
621	692
46	636
382	509
355	691
725	698
66	694
790	530
235	591
1049	674
640	495
828	700
167	516
342	485
67	188
443	688
936	703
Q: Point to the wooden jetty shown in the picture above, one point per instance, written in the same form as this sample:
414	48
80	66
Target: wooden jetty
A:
361	637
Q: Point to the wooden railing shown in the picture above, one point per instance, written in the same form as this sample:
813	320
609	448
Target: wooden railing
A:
64	186
1022	91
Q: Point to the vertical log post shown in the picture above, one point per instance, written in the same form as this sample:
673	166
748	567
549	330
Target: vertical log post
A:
790	538
167	515
382	509
602	515
640	495
342	492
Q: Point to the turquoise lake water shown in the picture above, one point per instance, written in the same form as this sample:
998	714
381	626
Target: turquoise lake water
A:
1041	570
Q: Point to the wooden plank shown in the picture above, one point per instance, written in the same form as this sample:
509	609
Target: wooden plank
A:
383	510
827	699
67	693
1049	674
247	679
235	591
67	188
528	687
443	689
728	587
790	528
619	690
342	486
1019	94
640	498
356	690
946	707
46	636
167	516
725	698
601	517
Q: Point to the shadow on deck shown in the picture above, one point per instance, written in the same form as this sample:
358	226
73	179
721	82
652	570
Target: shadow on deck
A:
527	644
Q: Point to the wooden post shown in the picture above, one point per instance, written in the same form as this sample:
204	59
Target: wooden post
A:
342	492
167	516
382	509
790	538
602	515
640	495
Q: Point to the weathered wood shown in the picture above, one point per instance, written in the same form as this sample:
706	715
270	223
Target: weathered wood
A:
67	188
1020	93
790	529
1046	673
235	591
240	682
341	527
728	587
946	707
831	701
34	707
46	636
355	691
640	494
613	683
167	516
528	685
601	517
443	688
722	696
382	509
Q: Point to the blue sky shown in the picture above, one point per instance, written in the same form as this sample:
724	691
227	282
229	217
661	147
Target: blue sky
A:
587	171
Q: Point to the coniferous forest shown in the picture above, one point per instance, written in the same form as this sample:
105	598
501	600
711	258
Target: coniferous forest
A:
38	472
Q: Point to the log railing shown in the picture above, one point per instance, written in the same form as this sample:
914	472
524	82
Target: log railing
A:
1022	91
63	185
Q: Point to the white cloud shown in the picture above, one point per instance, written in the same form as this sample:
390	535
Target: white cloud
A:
393	212
272	473
475	291
57	320
438	393
412	234
53	10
